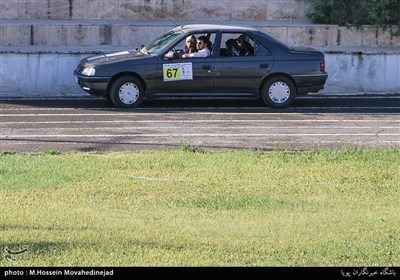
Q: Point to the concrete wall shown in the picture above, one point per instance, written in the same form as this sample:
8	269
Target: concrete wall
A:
44	74
152	9
41	40
133	33
38	75
370	72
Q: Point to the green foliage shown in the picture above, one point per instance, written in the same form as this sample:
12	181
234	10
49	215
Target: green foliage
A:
187	147
53	152
342	12
354	12
384	12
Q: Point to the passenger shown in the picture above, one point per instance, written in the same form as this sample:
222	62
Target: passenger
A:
190	46
232	48
203	46
244	47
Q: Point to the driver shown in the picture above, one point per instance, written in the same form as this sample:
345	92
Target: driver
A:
202	46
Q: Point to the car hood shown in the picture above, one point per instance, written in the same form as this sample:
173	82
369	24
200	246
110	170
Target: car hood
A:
114	57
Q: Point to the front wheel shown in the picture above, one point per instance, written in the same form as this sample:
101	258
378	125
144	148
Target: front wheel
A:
127	92
278	92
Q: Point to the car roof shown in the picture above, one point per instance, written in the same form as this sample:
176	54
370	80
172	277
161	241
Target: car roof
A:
222	27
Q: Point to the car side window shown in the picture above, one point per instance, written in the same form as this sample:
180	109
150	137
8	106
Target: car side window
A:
260	50
237	44
189	43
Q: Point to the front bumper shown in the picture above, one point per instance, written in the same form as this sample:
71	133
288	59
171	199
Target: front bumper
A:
93	85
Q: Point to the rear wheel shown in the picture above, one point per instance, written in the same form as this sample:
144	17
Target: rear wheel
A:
278	92
127	92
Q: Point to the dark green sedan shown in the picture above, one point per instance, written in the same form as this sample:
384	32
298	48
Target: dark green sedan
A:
205	61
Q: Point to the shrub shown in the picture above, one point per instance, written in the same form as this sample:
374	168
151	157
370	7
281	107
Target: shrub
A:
384	12
355	12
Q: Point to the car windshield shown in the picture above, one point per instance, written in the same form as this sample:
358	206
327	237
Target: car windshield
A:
160	43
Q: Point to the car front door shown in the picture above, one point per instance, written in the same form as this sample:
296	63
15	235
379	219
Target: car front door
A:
186	76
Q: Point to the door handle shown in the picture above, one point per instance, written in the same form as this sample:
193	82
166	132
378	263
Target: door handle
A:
206	67
264	65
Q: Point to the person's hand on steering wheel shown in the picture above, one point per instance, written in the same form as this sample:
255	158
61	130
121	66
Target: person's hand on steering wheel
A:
176	53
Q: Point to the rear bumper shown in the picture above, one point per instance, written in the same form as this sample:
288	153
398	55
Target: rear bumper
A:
310	83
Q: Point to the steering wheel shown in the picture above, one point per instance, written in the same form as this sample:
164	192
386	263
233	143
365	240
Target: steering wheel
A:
176	53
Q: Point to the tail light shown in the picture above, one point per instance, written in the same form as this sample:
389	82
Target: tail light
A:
322	66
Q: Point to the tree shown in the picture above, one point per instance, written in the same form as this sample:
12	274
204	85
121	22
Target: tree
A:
380	13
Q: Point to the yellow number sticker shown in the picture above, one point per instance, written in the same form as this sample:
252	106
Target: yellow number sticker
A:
172	73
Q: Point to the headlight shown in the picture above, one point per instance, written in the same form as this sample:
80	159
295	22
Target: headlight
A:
88	71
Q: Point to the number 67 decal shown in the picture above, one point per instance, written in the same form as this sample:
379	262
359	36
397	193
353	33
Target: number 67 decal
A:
177	71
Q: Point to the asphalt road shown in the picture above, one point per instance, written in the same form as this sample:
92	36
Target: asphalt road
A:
94	124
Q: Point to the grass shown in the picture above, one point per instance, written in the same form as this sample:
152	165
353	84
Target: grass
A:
191	207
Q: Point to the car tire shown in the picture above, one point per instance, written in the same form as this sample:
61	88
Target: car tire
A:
278	92
127	92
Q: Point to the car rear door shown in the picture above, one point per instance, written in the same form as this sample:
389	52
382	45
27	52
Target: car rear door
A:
241	74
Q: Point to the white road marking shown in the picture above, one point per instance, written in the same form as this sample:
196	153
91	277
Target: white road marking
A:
193	123
211	121
218	128
270	142
189	135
